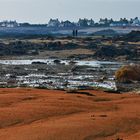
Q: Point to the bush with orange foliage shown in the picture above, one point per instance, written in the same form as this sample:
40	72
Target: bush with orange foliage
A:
128	73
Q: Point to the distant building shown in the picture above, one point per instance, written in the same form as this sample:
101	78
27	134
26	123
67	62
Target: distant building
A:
102	21
135	22
118	24
82	23
121	23
53	23
9	24
105	21
85	22
90	22
67	23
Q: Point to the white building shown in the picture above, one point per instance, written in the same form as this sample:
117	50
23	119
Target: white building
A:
85	22
53	23
9	24
118	24
67	23
135	22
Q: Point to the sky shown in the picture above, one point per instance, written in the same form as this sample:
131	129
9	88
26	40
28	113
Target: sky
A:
40	11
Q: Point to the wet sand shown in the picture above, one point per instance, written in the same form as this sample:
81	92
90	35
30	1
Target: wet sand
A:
36	114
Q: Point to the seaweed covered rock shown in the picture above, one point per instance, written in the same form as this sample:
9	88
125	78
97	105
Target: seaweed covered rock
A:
106	52
111	52
133	36
128	78
128	74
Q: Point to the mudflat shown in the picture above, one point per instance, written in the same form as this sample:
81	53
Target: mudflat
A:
37	114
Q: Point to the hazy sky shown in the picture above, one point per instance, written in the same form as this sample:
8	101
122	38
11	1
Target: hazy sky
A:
40	11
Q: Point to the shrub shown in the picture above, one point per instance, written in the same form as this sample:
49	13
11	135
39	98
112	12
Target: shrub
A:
128	73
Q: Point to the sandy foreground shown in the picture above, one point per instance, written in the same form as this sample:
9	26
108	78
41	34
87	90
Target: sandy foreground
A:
33	114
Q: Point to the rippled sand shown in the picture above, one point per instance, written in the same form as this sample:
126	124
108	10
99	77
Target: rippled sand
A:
33	114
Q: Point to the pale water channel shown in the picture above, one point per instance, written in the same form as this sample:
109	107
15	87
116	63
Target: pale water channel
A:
46	73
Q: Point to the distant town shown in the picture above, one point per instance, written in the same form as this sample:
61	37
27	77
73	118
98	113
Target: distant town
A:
56	23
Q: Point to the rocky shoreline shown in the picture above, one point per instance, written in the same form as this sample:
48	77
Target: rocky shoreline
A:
68	62
62	74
